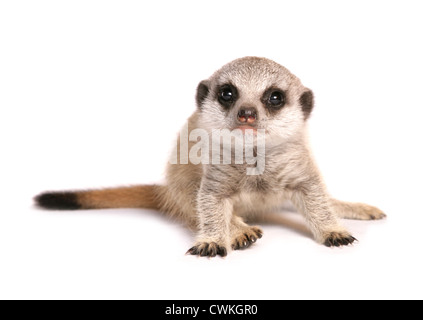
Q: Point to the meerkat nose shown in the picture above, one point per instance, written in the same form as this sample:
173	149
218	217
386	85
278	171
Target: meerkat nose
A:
247	115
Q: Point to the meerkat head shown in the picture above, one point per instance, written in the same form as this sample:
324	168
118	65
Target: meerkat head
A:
254	93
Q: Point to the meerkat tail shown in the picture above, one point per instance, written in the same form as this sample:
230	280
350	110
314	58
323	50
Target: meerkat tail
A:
144	196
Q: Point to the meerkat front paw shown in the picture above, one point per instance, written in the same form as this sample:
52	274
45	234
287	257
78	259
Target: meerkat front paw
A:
337	239
246	237
208	249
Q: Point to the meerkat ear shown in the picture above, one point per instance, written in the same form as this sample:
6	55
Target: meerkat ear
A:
307	103
202	92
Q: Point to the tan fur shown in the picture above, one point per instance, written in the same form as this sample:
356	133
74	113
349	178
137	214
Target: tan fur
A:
215	199
126	197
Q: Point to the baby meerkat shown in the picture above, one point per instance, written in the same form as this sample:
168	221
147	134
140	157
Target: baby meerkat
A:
253	99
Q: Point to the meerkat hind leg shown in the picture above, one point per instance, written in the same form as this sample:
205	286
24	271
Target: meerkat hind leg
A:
356	210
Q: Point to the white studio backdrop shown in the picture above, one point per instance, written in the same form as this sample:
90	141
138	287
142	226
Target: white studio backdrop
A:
92	94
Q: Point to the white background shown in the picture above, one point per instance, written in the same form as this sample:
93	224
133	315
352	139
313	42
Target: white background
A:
92	94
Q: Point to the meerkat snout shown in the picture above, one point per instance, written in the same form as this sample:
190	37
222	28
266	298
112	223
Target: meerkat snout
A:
247	115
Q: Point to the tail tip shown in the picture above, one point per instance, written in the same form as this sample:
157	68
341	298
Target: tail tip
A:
58	201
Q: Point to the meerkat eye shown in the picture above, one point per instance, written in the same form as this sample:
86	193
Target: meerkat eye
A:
273	99
226	94
276	98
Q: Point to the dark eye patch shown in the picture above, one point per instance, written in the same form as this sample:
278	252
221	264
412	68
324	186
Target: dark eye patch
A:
274	99
227	94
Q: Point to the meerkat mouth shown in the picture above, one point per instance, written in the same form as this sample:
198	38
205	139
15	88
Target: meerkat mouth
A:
245	128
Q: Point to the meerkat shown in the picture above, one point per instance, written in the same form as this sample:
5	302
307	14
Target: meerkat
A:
215	199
